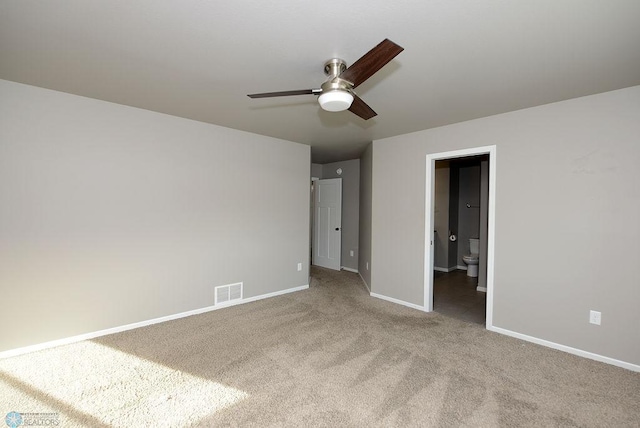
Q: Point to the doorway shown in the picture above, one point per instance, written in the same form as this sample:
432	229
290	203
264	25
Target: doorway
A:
450	282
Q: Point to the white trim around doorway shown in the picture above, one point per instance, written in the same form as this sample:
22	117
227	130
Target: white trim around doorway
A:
428	231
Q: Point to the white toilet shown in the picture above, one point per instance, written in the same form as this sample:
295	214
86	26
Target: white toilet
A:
472	259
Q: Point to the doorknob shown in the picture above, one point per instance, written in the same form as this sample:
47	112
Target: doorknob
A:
337	228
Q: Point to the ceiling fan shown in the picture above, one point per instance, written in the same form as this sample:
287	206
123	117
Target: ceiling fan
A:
336	93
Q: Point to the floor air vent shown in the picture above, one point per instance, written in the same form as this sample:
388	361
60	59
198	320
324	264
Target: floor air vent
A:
228	293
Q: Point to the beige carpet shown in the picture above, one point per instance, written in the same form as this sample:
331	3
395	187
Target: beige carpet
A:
328	356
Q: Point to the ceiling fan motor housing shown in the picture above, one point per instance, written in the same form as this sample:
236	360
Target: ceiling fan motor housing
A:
334	67
336	92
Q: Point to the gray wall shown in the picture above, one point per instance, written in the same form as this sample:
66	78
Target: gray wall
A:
364	261
111	215
468	218
350	207
567	204
316	170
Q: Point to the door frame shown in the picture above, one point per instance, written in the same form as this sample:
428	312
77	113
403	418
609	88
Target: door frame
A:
429	222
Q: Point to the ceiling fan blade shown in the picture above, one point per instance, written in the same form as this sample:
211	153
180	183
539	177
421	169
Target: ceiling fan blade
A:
371	62
361	108
285	93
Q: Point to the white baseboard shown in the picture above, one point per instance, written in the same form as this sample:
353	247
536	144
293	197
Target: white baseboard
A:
349	269
483	289
397	301
105	332
568	349
274	294
365	283
450	269
447	270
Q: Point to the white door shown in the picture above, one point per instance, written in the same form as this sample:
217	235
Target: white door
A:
327	220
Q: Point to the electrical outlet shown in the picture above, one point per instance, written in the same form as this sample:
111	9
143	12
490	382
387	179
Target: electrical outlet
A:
299	267
351	253
595	317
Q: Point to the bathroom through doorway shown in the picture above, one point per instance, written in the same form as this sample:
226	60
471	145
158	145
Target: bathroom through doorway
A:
459	234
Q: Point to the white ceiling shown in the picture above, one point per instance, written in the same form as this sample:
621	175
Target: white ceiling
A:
463	59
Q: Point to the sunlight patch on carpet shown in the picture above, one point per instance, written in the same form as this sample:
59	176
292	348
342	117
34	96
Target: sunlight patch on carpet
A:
95	382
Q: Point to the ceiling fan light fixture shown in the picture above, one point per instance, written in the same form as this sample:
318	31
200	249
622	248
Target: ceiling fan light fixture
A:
335	100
